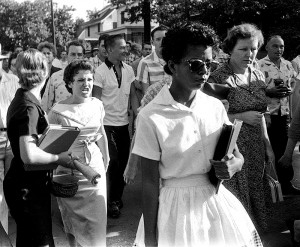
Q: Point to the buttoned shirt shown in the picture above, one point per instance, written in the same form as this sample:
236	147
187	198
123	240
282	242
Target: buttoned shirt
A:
151	70
182	139
55	91
115	93
285	72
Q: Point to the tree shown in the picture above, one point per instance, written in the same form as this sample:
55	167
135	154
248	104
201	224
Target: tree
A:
272	16
29	23
92	14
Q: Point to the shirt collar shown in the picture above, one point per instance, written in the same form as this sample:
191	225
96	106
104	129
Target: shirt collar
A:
282	60
165	98
109	64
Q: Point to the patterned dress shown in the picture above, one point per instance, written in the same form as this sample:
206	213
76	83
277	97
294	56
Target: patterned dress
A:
249	185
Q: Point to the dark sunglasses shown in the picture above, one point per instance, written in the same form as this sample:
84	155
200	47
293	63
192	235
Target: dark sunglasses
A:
196	65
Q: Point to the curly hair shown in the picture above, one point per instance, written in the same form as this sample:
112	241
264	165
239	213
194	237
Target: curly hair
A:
47	45
243	31
32	68
73	68
178	39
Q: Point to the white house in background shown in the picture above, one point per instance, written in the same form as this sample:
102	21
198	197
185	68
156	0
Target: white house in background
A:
111	20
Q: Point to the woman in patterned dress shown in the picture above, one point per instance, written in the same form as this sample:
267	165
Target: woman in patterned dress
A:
84	215
245	92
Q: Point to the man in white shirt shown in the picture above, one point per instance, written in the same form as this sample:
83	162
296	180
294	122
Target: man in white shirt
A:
280	75
56	89
113	80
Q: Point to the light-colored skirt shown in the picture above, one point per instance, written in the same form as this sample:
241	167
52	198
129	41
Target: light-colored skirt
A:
191	214
84	215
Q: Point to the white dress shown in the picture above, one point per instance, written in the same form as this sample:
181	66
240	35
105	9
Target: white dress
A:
84	215
183	140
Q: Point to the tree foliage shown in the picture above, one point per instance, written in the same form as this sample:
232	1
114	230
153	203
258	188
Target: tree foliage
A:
280	17
29	23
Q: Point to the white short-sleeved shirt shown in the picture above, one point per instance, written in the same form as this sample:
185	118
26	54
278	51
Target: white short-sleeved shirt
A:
182	139
115	99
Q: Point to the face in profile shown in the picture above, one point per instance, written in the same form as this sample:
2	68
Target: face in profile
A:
102	51
118	50
82	84
194	68
244	52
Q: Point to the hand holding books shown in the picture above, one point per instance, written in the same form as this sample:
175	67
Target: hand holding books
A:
227	159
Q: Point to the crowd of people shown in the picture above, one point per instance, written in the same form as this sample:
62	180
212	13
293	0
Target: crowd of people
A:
181	89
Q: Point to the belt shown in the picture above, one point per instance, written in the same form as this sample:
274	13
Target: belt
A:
3	129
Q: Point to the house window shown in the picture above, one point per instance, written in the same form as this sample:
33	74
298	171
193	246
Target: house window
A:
98	27
122	17
89	33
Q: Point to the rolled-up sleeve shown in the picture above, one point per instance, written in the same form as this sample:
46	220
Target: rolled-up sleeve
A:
146	141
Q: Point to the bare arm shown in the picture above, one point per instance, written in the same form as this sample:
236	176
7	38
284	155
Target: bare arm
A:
150	194
103	145
134	101
269	151
33	155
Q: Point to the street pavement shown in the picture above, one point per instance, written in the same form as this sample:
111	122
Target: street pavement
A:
121	231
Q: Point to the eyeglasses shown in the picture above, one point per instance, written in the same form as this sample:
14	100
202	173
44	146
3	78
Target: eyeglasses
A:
196	65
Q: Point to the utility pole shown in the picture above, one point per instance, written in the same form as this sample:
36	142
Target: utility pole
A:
53	27
147	21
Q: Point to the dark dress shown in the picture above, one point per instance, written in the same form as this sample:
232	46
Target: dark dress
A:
250	184
26	192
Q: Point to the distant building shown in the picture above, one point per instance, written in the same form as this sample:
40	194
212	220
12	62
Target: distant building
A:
111	20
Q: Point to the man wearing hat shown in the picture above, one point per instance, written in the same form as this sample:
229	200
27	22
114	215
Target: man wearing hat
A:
8	87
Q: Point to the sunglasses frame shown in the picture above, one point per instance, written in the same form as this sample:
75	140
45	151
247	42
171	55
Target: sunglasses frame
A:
203	63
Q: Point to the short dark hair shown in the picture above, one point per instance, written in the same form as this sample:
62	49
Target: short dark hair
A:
75	43
73	68
47	45
12	56
243	31
145	43
102	37
178	39
159	28
110	41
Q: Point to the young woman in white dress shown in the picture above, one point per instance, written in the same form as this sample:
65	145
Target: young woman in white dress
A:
176	137
84	215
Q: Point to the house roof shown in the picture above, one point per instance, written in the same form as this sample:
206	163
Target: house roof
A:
102	15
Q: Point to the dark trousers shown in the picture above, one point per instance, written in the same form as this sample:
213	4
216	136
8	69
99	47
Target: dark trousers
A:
118	146
277	132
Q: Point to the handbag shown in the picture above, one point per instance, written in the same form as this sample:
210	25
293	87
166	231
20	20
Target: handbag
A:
63	185
274	184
